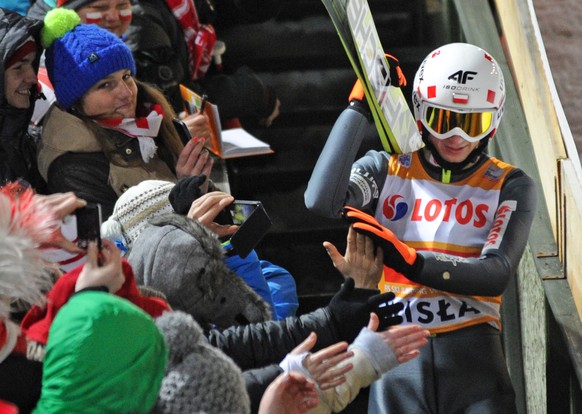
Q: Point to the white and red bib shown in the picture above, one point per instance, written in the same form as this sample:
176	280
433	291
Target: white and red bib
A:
452	220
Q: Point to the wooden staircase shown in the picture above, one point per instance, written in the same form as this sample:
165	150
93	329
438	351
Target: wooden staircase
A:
301	56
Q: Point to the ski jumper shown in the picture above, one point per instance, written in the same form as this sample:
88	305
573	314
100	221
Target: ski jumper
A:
471	232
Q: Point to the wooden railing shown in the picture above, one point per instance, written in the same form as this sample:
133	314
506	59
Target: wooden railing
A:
543	308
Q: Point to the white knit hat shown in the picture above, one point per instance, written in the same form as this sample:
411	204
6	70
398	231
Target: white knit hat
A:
134	208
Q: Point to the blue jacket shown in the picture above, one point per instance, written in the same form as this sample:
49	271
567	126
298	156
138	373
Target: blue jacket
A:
273	283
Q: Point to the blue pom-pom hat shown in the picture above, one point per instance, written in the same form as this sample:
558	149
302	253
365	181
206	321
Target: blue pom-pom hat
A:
82	57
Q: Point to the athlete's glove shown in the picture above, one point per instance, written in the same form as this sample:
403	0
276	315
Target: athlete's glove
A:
350	309
397	255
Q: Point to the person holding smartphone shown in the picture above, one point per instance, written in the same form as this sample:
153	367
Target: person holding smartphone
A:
151	199
31	223
108	130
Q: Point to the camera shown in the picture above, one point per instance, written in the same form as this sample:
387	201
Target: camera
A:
253	223
89	220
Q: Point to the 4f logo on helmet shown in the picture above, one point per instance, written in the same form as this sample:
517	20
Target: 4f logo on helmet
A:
462	76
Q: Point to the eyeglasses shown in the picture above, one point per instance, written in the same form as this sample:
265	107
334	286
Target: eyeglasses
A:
444	123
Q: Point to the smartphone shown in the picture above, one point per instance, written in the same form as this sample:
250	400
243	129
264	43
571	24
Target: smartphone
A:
182	130
237	212
253	223
241	210
89	220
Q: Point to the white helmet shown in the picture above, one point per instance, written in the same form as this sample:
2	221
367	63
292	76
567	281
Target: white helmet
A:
458	90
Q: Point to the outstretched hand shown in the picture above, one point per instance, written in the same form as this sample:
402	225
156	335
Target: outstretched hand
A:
289	393
198	124
404	341
397	254
324	366
362	261
350	309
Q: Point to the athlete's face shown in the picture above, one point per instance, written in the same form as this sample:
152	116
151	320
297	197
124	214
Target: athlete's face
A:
454	149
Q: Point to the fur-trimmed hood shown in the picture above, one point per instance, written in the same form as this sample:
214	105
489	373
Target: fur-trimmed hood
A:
184	260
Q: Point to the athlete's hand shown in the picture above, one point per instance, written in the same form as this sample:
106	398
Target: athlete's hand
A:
397	254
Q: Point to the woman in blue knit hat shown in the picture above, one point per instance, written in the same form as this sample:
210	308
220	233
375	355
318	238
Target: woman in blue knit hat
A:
109	131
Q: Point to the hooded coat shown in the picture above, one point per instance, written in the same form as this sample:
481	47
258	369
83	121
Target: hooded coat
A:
104	355
182	259
17	148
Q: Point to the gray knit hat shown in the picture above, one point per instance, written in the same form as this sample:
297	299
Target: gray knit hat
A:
199	377
182	259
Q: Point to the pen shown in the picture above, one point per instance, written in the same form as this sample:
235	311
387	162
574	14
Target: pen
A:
203	104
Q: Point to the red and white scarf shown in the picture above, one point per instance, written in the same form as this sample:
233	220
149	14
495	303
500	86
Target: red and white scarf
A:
200	38
145	129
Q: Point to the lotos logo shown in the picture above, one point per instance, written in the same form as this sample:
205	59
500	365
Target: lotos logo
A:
392	209
463	212
502	217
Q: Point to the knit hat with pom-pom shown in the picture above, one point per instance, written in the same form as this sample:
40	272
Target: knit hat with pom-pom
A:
80	55
133	210
199	377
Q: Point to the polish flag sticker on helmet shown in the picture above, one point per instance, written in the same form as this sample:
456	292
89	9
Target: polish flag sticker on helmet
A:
431	92
491	96
460	98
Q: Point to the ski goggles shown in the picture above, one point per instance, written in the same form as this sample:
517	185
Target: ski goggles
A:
444	123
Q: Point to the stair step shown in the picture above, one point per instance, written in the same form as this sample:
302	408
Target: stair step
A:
301	56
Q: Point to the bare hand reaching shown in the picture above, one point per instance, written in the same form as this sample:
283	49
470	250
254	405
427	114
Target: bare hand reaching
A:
404	341
59	205
289	393
362	261
198	124
323	366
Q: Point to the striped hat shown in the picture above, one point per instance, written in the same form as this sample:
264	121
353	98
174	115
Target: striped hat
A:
134	208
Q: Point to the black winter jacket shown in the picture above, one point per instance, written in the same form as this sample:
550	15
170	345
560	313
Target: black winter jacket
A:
17	148
161	55
266	344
